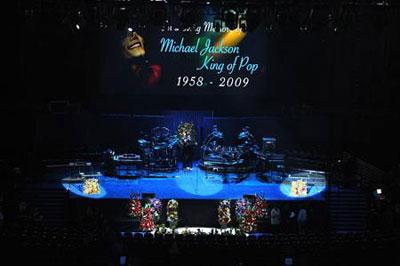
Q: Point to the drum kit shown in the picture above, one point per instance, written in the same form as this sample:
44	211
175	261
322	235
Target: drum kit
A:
159	149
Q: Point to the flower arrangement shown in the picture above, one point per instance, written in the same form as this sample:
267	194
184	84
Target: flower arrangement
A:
249	224
91	186
241	206
186	134
147	219
261	207
161	229
224	213
157	208
135	206
299	188
246	215
172	213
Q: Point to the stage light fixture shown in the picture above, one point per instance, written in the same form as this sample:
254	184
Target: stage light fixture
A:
103	24
304	28
76	21
378	193
304	19
269	28
130	29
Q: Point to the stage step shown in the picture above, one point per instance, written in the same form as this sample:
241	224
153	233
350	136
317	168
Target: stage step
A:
348	210
50	203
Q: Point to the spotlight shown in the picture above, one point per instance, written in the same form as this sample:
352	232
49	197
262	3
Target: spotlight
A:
77	21
378	193
130	29
231	19
304	18
269	28
103	24
304	28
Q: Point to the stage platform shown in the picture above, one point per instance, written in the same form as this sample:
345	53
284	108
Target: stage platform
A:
199	184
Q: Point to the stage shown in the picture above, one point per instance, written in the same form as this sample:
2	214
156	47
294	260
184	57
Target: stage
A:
197	184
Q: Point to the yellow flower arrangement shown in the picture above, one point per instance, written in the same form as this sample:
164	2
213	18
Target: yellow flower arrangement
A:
91	186
299	188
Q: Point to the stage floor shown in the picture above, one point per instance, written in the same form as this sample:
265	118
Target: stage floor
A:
198	184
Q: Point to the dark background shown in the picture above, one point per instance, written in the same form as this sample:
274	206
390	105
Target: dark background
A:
345	82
